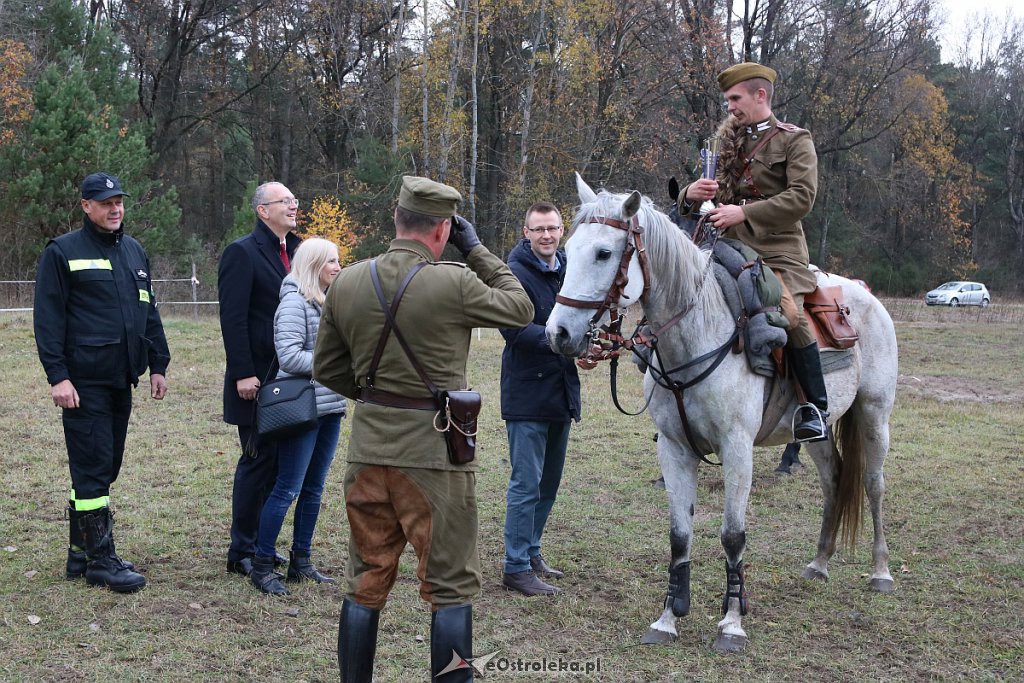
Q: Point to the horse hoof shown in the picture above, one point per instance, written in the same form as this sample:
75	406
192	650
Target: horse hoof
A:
812	574
883	585
783	470
656	637
729	642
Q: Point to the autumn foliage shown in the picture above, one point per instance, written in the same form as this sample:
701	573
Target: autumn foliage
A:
15	98
328	219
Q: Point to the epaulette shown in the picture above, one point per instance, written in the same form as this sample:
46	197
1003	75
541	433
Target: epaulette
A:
449	263
789	127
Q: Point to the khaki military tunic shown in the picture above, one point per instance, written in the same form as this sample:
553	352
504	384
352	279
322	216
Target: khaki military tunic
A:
785	172
399	485
437	315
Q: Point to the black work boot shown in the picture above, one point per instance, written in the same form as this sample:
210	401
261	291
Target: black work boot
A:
264	577
810	419
104	567
357	642
451	643
301	567
77	559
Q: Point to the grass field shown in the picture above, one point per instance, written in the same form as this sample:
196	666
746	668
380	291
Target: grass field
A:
955	523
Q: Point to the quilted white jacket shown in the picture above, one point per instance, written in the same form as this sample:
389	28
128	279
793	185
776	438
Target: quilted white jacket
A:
296	323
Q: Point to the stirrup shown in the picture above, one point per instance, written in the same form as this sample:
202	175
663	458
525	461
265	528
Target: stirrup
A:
817	414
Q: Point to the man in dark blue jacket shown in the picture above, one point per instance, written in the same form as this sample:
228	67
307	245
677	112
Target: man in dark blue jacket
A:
97	329
248	285
540	396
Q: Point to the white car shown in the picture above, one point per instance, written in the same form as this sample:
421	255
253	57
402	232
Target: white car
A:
958	294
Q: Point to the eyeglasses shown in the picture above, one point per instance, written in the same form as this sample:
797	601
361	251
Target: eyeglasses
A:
287	202
540	230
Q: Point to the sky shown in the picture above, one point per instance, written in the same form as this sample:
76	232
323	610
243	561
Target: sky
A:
960	11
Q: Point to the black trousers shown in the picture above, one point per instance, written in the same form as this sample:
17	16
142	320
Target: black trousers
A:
255	475
95	433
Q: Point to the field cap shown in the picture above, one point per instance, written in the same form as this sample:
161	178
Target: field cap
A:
427	197
100	186
737	73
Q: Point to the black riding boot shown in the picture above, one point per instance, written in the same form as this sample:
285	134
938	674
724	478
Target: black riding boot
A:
357	642
301	567
264	577
105	568
451	641
810	419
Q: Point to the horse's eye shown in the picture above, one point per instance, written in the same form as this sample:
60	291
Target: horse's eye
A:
603	254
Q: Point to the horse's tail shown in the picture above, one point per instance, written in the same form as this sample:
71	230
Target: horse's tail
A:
848	509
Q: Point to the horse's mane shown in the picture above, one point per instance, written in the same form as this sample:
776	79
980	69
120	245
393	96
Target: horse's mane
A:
677	262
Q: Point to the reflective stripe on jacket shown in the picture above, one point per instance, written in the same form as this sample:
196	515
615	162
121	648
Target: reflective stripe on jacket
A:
95	314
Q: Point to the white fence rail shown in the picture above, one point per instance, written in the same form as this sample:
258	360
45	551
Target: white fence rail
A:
193	281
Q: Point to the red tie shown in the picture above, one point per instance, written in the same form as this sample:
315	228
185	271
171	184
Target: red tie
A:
284	259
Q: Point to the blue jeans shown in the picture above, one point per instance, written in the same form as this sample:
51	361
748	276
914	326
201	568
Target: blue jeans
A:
302	465
537	455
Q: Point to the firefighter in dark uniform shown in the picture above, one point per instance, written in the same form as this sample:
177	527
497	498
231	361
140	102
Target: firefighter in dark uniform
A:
97	330
399	485
765	185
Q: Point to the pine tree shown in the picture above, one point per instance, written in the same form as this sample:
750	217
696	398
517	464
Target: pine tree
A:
78	126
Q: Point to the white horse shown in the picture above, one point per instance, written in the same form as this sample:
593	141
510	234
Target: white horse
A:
724	410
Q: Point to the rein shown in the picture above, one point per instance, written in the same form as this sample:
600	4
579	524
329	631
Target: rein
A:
607	342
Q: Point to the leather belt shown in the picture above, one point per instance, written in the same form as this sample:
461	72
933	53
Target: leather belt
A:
387	399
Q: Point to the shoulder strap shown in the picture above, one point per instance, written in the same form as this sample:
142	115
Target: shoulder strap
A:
391	324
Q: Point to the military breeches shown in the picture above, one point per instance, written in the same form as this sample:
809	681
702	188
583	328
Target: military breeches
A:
799	332
95	433
434	510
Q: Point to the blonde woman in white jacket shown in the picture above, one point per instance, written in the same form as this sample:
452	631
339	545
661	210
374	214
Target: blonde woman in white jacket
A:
304	459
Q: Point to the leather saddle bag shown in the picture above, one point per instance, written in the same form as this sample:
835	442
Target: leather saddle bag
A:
829	317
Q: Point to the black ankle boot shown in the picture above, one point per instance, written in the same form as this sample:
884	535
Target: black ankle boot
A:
810	421
357	642
265	578
104	567
301	567
451	640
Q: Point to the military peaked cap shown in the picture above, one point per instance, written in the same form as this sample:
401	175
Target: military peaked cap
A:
427	197
737	73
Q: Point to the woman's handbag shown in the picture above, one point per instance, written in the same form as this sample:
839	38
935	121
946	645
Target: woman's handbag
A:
285	407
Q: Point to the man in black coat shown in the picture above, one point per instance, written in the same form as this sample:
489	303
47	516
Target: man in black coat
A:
249	283
540	397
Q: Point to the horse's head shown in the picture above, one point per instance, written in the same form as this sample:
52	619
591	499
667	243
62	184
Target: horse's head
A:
595	264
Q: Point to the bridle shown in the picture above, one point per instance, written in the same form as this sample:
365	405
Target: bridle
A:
606	342
610	303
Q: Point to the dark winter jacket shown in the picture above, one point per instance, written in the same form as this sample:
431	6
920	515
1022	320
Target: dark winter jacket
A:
537	384
249	285
95	316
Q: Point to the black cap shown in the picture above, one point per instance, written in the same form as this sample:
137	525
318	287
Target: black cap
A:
100	186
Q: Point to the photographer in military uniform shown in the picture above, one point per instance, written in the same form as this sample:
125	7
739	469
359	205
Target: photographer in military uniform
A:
97	330
765	184
400	486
